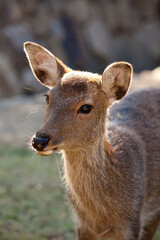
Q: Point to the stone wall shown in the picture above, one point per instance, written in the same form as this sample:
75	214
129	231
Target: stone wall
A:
85	34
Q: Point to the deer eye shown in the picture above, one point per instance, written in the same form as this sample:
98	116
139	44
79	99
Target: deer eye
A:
85	109
47	98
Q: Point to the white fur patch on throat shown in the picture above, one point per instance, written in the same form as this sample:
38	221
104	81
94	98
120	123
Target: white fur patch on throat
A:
111	100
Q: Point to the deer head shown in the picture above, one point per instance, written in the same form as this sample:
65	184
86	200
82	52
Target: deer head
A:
76	102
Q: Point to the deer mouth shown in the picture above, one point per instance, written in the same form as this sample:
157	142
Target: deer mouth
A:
47	152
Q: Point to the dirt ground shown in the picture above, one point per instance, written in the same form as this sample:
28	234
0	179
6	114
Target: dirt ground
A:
21	116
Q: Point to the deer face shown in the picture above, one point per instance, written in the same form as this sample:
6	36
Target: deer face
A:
76	102
73	114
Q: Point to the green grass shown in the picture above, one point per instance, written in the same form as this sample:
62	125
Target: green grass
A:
33	204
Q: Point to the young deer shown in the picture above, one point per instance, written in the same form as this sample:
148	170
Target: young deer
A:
111	154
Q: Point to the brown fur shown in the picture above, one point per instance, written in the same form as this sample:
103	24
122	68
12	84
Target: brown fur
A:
111	155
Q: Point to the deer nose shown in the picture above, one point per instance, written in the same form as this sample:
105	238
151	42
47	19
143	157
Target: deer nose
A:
40	143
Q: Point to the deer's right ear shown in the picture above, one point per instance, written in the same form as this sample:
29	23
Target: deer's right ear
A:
46	67
116	80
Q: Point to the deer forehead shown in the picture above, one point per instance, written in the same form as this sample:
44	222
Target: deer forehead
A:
75	87
80	76
76	82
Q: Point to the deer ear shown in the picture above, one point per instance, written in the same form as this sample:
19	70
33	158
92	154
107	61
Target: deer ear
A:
46	67
116	79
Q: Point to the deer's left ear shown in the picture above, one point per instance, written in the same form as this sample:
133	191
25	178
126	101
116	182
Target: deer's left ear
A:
116	80
46	67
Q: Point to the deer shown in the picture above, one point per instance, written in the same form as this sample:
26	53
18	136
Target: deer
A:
110	143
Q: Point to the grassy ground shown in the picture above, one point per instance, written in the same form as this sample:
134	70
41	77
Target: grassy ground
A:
33	204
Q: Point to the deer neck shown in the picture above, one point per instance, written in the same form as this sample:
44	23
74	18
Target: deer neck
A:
85	159
85	172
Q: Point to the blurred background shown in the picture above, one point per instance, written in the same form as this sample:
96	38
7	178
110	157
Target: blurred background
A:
86	35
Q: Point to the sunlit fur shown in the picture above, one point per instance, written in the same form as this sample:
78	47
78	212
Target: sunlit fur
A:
111	155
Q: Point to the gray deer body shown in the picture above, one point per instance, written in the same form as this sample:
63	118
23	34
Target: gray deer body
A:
134	133
111	153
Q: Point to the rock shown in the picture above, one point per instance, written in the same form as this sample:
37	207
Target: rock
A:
10	11
131	49
146	79
70	41
57	7
85	34
147	10
8	80
28	7
54	44
149	36
155	74
15	36
121	16
78	11
42	19
98	38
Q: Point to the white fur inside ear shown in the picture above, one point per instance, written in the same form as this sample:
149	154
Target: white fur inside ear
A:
116	80
43	64
48	63
107	81
46	60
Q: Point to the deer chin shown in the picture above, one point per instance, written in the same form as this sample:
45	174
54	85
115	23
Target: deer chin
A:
50	150
46	152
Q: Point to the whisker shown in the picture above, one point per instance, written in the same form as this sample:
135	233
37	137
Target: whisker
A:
35	109
59	170
34	158
30	89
